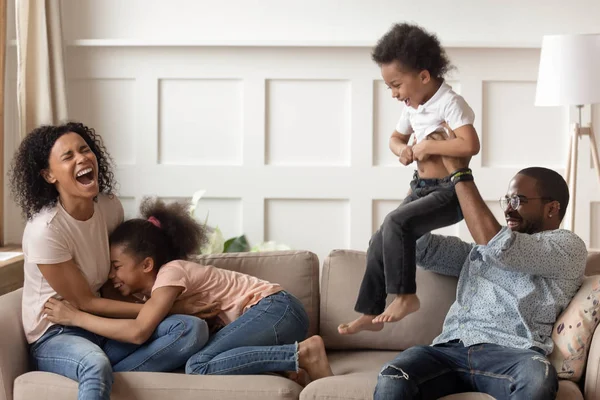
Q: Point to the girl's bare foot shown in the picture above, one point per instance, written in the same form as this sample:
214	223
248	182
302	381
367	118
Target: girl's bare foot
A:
402	305
362	323
313	358
300	377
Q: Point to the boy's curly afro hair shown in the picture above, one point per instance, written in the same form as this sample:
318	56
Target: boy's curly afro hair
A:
29	188
414	48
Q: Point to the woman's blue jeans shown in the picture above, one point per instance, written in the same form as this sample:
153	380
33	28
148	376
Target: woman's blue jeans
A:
90	359
263	339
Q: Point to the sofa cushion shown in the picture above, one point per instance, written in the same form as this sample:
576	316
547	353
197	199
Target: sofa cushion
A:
159	386
342	274
296	271
356	377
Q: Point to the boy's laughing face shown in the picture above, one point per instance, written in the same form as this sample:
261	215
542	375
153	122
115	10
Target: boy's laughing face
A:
409	87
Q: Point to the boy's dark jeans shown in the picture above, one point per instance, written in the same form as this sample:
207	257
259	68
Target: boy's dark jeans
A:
391	257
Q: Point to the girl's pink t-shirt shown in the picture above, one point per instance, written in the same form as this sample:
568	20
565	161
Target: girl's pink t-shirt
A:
236	292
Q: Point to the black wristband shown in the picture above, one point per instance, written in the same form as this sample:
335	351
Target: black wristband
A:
462	177
465	169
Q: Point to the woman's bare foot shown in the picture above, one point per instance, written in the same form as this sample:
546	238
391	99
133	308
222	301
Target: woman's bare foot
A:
313	358
362	323
402	305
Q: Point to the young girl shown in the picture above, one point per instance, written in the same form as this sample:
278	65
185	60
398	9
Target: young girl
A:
413	65
262	322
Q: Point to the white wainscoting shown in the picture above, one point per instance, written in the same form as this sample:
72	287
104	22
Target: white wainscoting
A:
291	142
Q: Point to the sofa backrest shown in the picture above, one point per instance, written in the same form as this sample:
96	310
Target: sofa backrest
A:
296	271
342	274
593	263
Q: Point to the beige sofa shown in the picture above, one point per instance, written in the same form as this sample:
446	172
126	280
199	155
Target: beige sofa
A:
355	360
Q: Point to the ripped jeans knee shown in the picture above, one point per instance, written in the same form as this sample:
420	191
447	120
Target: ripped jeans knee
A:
394	383
393	372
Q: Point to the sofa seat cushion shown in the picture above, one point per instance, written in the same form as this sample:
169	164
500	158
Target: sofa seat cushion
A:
160	386
356	376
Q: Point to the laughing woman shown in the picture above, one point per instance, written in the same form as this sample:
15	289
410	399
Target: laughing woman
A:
61	177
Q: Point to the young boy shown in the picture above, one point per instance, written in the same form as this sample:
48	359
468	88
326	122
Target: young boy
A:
413	65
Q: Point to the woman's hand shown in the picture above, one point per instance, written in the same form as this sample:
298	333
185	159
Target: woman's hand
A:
61	312
454	163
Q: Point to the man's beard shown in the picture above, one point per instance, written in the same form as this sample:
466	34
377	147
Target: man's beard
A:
531	226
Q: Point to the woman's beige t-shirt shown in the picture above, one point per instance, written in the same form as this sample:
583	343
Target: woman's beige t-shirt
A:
51	237
236	292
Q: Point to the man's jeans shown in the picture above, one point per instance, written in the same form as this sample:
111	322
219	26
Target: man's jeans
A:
263	339
391	257
431	372
90	359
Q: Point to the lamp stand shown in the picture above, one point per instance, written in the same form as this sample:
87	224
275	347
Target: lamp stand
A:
578	132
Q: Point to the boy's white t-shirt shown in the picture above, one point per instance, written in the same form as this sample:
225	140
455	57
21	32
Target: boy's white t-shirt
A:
444	106
51	237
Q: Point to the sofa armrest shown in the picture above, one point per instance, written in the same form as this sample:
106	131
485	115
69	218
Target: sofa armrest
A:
13	345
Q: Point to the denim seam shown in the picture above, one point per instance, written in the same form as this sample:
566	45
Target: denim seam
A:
244	324
247	364
201	355
486	373
287	309
181	333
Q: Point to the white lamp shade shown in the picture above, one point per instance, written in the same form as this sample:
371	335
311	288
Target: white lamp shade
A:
569	72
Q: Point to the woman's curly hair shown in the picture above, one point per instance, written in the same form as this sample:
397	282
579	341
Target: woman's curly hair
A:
173	235
29	188
414	48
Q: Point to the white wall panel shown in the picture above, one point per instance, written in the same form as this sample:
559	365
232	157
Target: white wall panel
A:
308	122
517	133
130	207
107	105
200	121
318	225
224	213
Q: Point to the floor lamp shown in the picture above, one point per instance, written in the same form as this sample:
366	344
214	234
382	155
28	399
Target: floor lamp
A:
569	75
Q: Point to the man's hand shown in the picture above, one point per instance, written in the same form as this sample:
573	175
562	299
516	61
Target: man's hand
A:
454	163
406	155
61	312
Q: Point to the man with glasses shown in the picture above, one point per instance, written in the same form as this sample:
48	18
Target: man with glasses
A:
513	283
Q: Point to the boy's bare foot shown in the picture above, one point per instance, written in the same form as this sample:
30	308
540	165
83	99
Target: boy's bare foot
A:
313	358
362	323
402	305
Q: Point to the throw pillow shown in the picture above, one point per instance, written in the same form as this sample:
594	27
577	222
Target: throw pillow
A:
573	330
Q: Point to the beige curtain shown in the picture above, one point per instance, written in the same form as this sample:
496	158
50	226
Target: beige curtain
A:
42	97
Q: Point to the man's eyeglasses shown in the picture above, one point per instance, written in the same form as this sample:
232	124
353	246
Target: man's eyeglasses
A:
516	200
